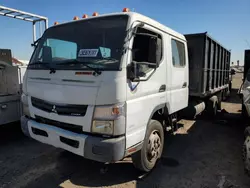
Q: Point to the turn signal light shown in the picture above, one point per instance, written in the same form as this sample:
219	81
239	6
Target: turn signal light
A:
125	10
85	16
95	14
76	18
115	111
56	23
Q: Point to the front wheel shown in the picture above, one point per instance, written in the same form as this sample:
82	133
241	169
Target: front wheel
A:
151	151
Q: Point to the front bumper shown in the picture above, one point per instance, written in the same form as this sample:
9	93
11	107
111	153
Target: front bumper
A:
91	147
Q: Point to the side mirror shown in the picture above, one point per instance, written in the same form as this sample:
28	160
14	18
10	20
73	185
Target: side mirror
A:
130	72
134	71
47	54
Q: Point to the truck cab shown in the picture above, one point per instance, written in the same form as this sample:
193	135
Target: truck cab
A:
105	87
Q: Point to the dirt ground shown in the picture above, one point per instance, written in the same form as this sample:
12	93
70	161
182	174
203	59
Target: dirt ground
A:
205	154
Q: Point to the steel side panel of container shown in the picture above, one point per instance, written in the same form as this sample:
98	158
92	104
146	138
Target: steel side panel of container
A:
215	66
228	67
219	66
222	66
208	65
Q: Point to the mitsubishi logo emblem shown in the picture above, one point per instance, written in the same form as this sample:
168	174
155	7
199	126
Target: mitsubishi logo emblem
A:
54	109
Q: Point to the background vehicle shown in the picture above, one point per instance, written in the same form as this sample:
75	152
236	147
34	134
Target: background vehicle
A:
12	76
108	86
10	88
244	92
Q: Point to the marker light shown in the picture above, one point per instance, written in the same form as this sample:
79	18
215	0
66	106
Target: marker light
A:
125	10
85	16
56	23
95	14
76	18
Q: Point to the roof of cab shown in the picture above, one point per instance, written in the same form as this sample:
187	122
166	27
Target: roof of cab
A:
135	16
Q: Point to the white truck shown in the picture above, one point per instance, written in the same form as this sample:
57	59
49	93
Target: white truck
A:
108	86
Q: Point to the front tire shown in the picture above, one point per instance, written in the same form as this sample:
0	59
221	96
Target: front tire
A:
152	148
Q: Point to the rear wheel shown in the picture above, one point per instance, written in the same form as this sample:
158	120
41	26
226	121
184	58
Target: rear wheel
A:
212	108
151	151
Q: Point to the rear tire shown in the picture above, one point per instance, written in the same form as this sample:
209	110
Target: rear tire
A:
212	108
151	151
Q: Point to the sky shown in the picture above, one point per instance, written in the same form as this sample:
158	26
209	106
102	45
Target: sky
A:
227	21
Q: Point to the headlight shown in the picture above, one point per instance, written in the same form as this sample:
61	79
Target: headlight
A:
109	112
109	120
24	99
103	127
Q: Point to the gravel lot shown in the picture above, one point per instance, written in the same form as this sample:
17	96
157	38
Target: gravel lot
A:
205	153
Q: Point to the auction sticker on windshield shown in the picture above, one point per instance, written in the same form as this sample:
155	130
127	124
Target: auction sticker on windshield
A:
88	52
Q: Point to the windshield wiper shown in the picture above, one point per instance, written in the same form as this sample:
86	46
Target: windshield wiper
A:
76	62
34	44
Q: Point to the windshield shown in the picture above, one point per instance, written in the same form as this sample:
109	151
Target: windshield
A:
96	42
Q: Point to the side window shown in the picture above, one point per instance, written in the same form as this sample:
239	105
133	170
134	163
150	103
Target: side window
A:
144	50
178	53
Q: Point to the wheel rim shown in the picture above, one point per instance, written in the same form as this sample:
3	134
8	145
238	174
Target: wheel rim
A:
154	146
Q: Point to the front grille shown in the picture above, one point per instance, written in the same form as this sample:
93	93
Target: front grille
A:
65	126
65	109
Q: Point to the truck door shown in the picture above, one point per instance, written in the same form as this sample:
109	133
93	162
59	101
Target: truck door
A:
144	96
178	75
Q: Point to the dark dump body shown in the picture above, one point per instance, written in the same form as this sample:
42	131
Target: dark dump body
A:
209	65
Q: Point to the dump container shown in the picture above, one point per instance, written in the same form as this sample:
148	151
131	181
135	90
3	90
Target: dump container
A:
246	62
5	57
209	64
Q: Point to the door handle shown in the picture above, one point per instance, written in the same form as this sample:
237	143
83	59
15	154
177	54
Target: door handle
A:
184	85
162	88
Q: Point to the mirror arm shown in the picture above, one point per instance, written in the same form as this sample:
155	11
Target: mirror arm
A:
35	42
